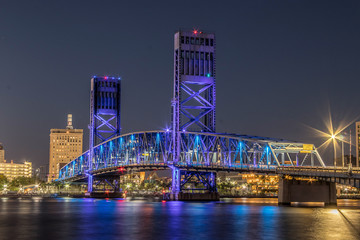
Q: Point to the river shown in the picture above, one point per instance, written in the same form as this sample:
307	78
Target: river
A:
71	218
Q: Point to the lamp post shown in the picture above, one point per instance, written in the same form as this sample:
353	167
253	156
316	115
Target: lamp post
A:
342	153
334	139
350	162
342	138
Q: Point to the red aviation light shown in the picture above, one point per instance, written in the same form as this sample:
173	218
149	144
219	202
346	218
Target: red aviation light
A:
196	31
106	77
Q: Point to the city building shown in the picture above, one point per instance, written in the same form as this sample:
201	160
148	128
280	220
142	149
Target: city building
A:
13	170
262	184
346	159
2	153
357	136
65	145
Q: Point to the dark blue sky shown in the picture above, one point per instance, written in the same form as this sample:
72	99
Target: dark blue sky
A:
280	64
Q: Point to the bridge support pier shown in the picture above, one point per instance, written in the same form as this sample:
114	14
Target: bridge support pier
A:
192	178
90	185
103	187
305	191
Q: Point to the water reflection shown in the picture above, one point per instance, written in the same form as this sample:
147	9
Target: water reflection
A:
67	218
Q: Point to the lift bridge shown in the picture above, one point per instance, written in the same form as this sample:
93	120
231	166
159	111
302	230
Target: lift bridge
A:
202	154
191	148
206	152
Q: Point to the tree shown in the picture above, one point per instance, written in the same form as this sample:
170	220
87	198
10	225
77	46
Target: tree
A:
3	181
18	182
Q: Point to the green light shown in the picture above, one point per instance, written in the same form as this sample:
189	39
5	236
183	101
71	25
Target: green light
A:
208	75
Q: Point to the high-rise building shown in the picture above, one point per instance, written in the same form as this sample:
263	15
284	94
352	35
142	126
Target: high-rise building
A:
357	136
2	153
13	170
65	145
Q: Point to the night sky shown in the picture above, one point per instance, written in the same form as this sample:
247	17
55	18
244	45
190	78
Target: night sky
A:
280	65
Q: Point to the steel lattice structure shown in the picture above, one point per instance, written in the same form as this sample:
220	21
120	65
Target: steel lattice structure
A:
104	114
104	109
194	101
199	151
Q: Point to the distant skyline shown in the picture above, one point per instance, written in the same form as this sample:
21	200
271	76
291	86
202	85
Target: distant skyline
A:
280	65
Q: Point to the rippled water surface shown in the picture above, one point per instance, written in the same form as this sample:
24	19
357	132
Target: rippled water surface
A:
67	218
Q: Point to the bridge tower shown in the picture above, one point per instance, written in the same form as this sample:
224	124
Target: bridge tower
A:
193	103
194	99
104	114
194	81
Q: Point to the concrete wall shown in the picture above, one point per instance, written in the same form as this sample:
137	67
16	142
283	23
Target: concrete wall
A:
304	191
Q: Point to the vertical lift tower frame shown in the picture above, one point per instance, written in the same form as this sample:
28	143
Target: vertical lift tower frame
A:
194	100
104	115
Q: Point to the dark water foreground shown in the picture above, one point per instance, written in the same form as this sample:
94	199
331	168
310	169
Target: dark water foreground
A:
66	218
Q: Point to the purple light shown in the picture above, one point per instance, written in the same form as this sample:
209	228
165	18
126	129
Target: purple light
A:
167	130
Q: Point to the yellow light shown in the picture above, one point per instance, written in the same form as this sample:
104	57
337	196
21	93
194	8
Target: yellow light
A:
333	136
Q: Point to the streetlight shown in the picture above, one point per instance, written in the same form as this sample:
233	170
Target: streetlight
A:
332	135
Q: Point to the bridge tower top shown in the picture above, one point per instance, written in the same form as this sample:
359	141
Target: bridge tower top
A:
104	109
193	104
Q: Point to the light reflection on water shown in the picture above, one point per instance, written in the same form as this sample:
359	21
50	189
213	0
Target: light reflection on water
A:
67	218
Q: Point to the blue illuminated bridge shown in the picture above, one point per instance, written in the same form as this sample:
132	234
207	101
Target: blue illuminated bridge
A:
204	152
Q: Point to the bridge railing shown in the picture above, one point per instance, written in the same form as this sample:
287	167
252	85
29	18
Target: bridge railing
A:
320	171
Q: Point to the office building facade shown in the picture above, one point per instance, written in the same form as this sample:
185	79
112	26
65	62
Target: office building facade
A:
13	170
65	145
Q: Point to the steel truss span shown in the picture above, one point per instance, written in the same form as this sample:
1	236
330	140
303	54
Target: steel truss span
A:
198	152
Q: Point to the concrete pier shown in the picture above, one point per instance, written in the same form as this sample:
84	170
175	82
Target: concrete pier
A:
212	196
305	191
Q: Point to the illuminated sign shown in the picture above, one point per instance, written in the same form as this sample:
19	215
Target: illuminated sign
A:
307	148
